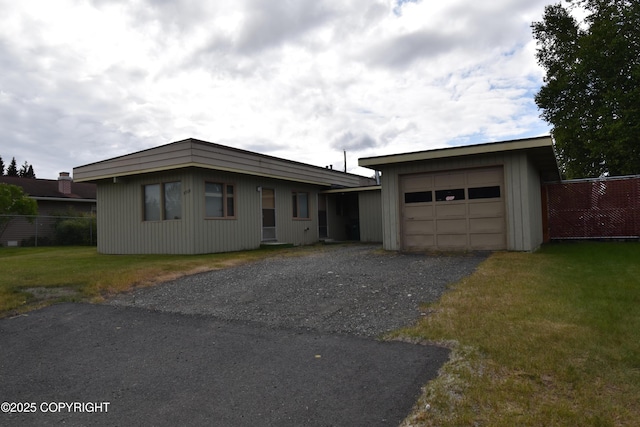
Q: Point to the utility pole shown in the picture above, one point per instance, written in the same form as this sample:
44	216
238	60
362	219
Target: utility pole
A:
345	160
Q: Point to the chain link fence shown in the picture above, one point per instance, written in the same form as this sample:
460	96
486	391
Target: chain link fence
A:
594	208
47	230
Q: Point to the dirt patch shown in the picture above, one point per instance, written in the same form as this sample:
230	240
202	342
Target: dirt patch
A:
50	292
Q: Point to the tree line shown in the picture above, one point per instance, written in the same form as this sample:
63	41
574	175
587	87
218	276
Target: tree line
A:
25	171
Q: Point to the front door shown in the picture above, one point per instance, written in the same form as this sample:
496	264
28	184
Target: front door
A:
268	214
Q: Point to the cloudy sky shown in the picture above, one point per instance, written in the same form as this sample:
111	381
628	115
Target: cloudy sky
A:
86	80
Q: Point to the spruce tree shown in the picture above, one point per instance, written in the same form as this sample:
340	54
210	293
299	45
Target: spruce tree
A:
12	170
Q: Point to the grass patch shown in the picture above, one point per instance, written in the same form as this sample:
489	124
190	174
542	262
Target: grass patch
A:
34	277
549	338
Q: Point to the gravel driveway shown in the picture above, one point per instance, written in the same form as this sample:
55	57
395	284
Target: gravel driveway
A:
351	289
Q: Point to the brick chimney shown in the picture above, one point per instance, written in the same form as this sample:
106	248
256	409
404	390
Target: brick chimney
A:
64	183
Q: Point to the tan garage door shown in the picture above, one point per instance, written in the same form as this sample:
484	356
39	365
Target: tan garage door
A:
457	210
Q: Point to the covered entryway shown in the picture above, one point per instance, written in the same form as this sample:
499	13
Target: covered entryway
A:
454	210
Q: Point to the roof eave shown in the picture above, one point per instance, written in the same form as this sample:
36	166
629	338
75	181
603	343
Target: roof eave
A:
468	150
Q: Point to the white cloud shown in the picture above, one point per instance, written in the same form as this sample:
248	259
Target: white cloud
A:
85	80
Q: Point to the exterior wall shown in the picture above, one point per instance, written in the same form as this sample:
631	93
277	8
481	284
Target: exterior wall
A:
523	210
122	230
523	204
535	207
289	230
370	207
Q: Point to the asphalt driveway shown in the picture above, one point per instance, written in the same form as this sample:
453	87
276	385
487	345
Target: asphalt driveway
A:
283	342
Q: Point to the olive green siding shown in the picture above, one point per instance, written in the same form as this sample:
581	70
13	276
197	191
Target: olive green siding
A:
370	207
122	229
522	198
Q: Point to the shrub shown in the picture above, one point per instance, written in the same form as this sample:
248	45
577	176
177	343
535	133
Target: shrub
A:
75	230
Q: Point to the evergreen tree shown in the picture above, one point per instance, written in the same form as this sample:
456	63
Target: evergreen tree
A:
1	166
30	172
23	170
12	170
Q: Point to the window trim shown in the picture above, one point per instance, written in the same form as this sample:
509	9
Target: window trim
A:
295	206
225	199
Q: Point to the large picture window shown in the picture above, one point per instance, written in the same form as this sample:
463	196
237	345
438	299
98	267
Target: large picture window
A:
300	205
219	200
163	201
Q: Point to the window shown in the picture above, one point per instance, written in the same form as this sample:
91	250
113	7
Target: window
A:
484	192
418	197
300	205
172	200
163	201
152	202
449	195
219	200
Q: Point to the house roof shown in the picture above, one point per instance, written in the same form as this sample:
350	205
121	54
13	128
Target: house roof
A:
540	151
47	189
207	155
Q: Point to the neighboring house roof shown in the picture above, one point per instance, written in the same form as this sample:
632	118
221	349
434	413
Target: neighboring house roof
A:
50	189
540	151
201	154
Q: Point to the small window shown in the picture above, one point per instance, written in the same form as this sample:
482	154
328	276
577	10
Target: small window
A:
450	195
219	200
484	192
300	205
418	197
163	201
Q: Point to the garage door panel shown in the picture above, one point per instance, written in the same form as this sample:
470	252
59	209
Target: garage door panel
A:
484	177
425	241
449	180
418	212
486	225
451	226
481	209
452	241
447	210
418	182
419	227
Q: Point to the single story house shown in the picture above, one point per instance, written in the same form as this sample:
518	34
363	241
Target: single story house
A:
59	196
192	196
478	197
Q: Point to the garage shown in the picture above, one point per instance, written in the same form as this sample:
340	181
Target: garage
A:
474	197
454	210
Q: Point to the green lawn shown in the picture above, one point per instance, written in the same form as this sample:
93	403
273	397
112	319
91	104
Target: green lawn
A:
33	277
539	339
